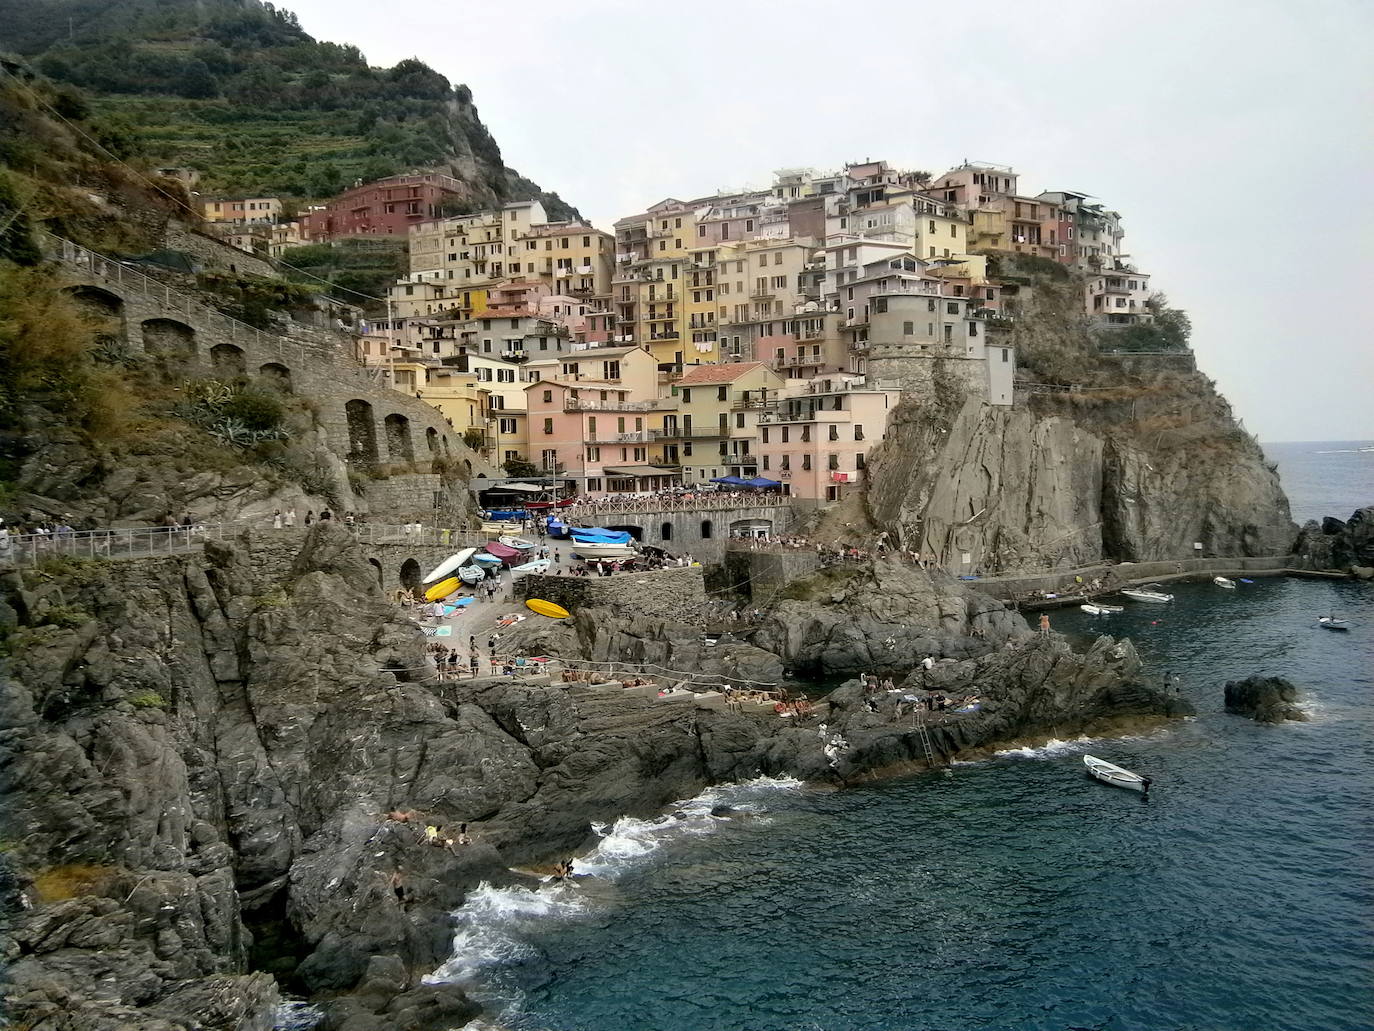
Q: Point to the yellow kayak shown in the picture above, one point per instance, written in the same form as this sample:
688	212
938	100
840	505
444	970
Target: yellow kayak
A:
546	608
442	589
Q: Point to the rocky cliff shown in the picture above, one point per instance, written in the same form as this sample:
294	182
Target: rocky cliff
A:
1336	544
1107	456
219	768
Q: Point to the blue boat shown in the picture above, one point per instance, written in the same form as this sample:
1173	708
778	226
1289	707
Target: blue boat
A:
557	529
486	559
596	535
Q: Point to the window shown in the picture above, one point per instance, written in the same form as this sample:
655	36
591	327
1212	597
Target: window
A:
833	462
722	393
930	304
506	425
765	463
806	462
908	328
765	429
859	461
686	395
786	462
1004	354
739	420
880	305
973	329
785	434
593	454
952	308
701	231
548	425
777	257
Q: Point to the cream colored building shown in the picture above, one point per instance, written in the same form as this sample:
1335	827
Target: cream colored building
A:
717	418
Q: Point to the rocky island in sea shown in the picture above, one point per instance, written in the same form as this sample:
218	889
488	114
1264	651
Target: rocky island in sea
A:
231	764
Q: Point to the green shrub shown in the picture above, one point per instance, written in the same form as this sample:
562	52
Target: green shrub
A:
147	700
255	409
66	617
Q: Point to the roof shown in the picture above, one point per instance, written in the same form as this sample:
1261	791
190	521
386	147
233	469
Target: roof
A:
599	352
718	373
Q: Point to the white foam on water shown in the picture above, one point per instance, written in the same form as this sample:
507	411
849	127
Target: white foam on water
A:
492	923
295	1015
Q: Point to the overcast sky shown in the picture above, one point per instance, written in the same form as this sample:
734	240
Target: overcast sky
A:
1234	138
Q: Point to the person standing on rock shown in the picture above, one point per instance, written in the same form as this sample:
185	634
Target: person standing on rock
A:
276	520
290	518
1044	622
309	516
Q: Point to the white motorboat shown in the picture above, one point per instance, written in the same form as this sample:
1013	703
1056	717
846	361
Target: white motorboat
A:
539	565
1148	593
1222	581
1110	773
1109	609
610	551
518	543
1099	610
471	574
1333	623
446	567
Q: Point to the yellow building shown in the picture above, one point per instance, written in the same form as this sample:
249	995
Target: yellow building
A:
717	418
575	260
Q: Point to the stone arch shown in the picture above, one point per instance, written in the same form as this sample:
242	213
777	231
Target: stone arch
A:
362	431
637	532
398	446
751	527
410	574
276	375
432	440
665	532
107	308
228	361
172	344
377	565
706	529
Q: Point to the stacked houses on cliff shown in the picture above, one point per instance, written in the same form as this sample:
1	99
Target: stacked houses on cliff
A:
766	332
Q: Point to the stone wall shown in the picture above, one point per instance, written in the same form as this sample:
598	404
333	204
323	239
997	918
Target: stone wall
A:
924	376
762	573
678	595
388	427
703	533
212	253
1143	364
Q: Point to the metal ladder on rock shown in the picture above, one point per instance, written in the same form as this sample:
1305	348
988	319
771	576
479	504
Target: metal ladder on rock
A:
924	736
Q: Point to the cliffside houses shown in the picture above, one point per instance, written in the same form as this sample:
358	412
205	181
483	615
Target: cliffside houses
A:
763	332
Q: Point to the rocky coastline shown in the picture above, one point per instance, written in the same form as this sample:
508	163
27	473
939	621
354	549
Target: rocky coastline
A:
218	771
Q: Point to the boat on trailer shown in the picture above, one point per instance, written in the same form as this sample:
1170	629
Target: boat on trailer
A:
1118	776
1149	593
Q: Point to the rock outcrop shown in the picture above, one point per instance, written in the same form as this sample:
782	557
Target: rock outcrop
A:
1333	544
881	617
216	767
1263	699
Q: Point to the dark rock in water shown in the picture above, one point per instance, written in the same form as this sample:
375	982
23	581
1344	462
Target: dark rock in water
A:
1263	699
724	811
1333	544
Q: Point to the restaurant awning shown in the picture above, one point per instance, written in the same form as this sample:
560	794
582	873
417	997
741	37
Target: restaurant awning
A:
523	488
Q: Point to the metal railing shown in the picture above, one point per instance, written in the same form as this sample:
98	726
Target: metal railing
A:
162	541
672	503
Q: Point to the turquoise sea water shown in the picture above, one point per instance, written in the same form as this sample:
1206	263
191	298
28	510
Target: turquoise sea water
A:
1016	893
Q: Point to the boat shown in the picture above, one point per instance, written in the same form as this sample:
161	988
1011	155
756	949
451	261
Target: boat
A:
557	529
607	551
442	589
542	506
546	608
1147	594
471	574
596	535
518	543
539	565
1333	623
486	559
1095	609
1110	773
502	551
1222	581
446	567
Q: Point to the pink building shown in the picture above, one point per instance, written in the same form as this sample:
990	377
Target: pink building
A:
387	207
816	441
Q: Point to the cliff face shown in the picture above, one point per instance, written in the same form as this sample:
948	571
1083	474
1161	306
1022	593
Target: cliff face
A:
219	768
1105	456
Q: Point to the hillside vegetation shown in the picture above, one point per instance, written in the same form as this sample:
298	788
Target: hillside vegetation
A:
237	90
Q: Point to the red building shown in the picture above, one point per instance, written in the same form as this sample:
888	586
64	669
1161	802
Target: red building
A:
387	207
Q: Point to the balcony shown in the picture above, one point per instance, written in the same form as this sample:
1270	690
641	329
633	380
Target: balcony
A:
670	334
702	433
631	437
763	291
804	415
577	377
515	354
586	404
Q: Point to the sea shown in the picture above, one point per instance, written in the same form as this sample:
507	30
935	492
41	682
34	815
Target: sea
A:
1013	892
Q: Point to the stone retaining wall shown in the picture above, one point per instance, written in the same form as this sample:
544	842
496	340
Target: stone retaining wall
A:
1008	587
672	594
702	534
762	573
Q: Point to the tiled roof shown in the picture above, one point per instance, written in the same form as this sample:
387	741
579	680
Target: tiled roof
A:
718	373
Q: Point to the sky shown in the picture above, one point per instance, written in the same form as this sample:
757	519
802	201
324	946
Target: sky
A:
1234	138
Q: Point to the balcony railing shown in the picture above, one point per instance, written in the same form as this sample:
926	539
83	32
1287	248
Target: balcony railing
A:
583	404
819	415
630	437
